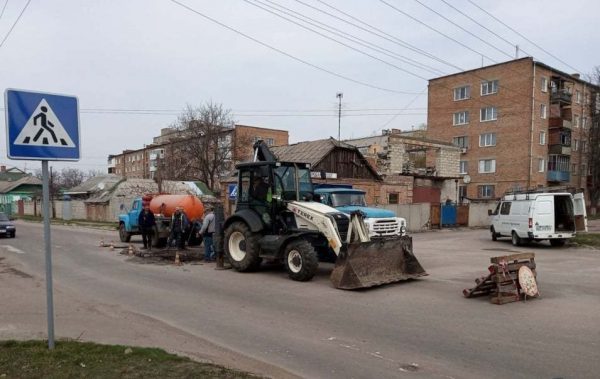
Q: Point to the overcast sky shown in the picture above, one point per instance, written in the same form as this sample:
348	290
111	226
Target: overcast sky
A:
135	64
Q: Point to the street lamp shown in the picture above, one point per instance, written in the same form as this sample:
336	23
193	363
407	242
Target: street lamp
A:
339	95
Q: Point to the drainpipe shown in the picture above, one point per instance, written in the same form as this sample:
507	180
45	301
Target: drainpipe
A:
531	130
582	136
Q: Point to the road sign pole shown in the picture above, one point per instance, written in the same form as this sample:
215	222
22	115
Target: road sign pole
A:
48	252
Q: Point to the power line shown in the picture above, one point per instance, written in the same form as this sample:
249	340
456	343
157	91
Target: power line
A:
3	8
370	45
288	54
483	26
437	31
15	23
405	107
342	43
525	38
463	29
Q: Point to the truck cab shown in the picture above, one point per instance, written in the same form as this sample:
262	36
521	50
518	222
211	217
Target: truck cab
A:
380	222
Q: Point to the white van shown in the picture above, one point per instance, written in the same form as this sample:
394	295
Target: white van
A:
539	216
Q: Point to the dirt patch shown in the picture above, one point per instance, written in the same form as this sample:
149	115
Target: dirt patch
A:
163	256
5	268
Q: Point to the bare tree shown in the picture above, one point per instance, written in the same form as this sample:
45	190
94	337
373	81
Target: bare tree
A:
594	139
202	148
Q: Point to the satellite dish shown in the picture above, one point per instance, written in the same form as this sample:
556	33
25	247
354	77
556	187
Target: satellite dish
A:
466	179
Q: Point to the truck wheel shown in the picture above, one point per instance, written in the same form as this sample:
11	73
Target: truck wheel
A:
123	234
515	239
494	234
557	242
241	247
301	260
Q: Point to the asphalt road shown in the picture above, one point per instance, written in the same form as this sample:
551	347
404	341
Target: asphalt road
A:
419	328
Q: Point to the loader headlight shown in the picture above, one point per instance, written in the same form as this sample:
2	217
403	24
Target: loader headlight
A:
403	230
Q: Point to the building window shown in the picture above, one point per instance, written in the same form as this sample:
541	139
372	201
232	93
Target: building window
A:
392	198
574	169
270	141
542	138
487	139
488	114
576	120
489	87
576	145
584	146
462	193
559	163
543	109
256	139
463	167
544	84
541	165
485	191
487	166
462	93
578	96
461	118
462	141
583	122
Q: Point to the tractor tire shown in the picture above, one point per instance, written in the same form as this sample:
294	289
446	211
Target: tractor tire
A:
301	260
557	242
241	247
515	239
124	236
494	234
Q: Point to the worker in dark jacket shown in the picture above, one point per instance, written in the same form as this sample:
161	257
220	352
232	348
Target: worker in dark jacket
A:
147	223
207	231
179	224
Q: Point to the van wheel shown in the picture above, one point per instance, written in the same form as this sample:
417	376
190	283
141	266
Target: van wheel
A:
516	240
494	234
558	242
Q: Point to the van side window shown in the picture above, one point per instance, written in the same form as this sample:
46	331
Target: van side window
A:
505	209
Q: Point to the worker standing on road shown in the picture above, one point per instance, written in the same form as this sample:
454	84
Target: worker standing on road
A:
147	223
179	224
207	231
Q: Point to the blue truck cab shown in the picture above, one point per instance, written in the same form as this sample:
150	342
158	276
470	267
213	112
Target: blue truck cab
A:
379	222
128	222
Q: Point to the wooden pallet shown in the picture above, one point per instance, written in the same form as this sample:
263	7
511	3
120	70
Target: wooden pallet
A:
502	282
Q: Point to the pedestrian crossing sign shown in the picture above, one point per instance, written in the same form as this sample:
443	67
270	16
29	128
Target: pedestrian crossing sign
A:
42	126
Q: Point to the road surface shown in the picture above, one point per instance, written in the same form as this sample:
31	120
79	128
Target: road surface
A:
267	324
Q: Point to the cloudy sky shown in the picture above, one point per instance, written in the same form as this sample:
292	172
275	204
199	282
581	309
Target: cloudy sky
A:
135	64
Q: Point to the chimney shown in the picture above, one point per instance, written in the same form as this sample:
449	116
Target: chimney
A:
2	168
576	75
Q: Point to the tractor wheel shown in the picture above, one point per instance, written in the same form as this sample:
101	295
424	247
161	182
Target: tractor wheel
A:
123	234
494	234
241	247
557	242
301	260
515	239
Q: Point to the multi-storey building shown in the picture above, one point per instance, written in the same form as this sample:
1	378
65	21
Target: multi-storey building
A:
519	124
145	162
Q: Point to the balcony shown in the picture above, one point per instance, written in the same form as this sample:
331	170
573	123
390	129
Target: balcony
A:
559	149
560	122
558	176
561	96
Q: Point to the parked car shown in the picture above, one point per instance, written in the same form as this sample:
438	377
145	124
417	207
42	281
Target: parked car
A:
7	227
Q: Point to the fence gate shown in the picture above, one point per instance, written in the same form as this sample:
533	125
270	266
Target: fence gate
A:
434	215
448	215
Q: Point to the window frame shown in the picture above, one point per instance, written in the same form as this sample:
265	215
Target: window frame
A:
466	118
462	163
467	88
464	138
542	140
544	84
482	138
494	112
494	84
543	111
492	166
541	165
390	195
490	188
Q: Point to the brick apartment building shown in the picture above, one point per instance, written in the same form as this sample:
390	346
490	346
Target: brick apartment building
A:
143	163
519	124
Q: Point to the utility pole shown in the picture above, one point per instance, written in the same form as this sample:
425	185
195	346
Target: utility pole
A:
516	51
339	95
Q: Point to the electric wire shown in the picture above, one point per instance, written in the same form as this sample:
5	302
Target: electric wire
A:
365	84
524	37
3	9
437	31
370	45
463	29
15	23
341	43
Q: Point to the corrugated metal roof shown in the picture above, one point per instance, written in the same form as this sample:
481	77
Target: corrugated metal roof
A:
311	152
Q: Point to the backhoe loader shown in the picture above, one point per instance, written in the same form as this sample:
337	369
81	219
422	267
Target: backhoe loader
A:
278	219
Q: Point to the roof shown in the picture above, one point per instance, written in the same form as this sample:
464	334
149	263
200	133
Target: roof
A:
95	184
8	186
312	152
12	173
124	188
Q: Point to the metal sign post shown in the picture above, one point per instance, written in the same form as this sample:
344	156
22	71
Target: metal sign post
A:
45	127
48	252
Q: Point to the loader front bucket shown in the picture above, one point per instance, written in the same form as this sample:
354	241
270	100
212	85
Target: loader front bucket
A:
377	262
